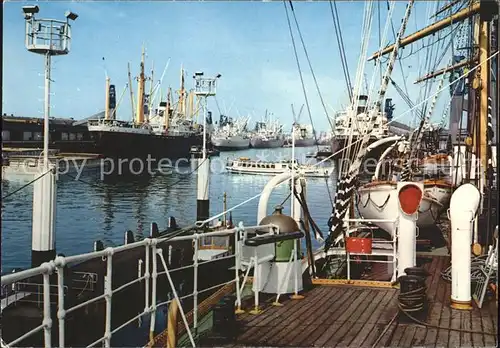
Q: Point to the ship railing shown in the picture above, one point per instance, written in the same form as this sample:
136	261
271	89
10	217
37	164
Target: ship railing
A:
380	248
87	282
149	277
29	292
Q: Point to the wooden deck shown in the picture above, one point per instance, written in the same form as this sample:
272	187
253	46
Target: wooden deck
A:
342	316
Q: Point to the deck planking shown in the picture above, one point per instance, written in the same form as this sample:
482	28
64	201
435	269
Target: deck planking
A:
350	316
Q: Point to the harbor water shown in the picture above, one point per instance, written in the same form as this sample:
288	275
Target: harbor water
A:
92	209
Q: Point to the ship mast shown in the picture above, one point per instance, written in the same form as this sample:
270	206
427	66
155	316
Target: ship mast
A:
479	89
106	110
140	92
182	107
131	91
478	94
167	111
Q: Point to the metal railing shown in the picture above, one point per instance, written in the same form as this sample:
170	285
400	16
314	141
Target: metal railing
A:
390	252
149	277
383	248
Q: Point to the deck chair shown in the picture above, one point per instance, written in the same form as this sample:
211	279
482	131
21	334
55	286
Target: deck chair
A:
488	270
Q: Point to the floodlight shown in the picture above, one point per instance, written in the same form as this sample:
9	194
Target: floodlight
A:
71	15
218	76
198	73
30	9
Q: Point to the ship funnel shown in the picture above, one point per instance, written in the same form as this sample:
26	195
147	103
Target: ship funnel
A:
464	204
409	197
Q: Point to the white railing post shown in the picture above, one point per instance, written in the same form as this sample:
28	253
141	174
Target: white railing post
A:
152	309
395	252
296	295
256	284
147	277
61	313
246	274
237	263
181	310
195	283
348	258
108	295
284	282
47	319
295	279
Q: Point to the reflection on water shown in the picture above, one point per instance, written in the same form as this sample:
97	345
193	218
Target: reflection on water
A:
106	209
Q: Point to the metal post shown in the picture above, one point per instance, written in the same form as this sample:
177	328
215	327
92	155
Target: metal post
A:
183	315
295	280
292	181
108	294
348	258
237	256
153	297
47	319
204	153
285	281
195	283
296	268
256	285
147	277
47	113
61	313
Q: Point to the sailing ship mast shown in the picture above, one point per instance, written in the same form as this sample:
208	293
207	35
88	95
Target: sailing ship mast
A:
477	142
140	92
347	182
479	132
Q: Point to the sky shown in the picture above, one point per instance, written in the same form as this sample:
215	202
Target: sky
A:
248	43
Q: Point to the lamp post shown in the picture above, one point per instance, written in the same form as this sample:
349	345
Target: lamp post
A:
47	37
204	87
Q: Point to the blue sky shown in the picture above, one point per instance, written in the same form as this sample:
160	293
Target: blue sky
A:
247	42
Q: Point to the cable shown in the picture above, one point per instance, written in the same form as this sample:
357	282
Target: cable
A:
420	295
340	42
417	105
286	199
303	85
26	185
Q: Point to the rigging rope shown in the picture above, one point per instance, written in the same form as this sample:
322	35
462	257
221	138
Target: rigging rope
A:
310	66
340	42
26	185
417	105
303	85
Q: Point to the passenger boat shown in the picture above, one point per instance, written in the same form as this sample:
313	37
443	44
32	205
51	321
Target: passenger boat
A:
245	165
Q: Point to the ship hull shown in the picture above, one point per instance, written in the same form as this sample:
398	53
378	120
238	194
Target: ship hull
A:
129	146
307	142
230	143
260	143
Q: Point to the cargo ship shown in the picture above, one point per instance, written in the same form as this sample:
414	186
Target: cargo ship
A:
160	134
22	133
